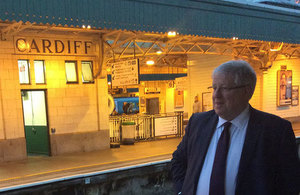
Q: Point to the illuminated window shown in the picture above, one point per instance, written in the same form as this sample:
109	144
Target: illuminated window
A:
87	71
39	71
24	71
71	72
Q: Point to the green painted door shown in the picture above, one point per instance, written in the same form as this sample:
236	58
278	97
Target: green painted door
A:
35	119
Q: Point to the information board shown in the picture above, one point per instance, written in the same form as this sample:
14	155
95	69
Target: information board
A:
181	83
207	103
125	73
165	126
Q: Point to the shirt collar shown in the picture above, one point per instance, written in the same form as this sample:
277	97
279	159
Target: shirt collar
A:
238	121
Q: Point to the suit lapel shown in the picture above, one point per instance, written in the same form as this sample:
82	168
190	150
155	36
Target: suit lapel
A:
204	135
253	131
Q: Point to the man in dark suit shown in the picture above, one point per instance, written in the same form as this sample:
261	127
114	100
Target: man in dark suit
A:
236	149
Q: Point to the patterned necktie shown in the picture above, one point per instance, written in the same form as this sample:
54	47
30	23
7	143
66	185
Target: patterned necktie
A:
217	178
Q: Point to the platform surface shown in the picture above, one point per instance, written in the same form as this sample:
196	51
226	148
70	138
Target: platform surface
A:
36	169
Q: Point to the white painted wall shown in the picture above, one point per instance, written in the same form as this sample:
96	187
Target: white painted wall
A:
200	68
270	86
170	101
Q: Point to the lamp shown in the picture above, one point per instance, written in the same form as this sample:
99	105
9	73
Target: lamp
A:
172	33
159	52
150	62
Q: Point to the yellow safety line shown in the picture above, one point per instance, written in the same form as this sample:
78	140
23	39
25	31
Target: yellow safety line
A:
83	166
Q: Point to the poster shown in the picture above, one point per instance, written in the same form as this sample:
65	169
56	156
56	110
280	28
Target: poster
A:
295	95
284	87
178	99
207	101
181	83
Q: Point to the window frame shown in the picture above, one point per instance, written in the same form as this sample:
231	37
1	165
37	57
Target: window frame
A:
28	72
76	72
91	68
44	72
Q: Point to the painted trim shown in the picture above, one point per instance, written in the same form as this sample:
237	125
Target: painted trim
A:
156	77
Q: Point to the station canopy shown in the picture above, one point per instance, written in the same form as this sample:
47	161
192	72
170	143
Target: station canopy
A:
141	27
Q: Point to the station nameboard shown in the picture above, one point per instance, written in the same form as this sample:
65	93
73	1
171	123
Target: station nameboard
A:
165	126
47	46
125	73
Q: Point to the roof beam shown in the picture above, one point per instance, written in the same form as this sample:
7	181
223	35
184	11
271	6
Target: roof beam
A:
13	29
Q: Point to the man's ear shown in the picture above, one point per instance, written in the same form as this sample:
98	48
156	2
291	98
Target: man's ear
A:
249	91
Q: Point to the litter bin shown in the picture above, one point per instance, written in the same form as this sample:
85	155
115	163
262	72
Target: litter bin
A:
128	131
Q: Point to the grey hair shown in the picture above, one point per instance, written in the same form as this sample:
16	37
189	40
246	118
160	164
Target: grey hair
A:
241	70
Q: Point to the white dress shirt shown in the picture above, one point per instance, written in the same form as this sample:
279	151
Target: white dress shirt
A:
237	138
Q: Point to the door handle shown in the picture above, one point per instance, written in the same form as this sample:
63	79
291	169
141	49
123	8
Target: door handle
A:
33	130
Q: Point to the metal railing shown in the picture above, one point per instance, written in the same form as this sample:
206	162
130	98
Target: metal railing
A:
144	125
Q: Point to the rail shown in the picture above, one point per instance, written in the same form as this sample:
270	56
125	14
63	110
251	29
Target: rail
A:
145	127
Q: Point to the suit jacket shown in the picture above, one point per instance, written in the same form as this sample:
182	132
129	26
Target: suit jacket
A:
269	163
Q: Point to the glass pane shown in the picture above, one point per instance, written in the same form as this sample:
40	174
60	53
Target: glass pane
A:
39	71
23	71
34	108
71	73
87	71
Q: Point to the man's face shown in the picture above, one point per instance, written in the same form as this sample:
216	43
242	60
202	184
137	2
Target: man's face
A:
229	99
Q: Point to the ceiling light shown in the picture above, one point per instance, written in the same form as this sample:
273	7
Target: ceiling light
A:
150	62
159	52
172	33
278	48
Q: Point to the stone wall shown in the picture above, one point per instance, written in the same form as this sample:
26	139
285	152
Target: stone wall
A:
77	113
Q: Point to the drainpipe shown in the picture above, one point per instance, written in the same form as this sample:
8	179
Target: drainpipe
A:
100	63
2	114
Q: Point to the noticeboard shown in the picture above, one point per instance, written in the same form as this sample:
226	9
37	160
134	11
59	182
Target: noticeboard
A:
181	83
165	126
125	73
295	95
207	103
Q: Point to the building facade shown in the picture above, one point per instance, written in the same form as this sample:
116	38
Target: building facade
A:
49	95
56	60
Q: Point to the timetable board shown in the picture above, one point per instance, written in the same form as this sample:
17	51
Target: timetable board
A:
125	73
165	126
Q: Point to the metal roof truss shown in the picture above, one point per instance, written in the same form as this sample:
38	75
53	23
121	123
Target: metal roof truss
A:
124	44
